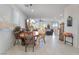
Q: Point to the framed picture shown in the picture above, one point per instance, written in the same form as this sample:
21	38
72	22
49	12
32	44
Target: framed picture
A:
69	21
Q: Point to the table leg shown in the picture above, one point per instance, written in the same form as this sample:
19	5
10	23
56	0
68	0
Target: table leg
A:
72	41
65	39
44	39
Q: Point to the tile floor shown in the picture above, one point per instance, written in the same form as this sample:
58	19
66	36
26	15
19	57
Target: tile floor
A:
53	46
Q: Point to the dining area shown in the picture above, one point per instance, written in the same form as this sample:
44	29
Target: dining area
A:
28	38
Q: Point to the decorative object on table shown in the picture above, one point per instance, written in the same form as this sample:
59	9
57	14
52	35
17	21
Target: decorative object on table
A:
69	21
26	24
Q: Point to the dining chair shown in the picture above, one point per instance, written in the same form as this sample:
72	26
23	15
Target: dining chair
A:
29	40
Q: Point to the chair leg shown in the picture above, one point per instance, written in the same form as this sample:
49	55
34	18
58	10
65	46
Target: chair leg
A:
65	40
72	41
25	48
44	39
33	47
14	43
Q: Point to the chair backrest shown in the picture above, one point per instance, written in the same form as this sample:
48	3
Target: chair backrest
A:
29	35
29	38
16	32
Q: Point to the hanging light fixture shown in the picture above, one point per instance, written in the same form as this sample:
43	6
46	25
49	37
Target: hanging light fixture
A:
28	5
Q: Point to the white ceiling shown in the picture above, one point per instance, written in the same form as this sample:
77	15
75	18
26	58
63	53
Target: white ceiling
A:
44	10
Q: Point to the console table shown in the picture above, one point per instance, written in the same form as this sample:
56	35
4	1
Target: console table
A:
67	34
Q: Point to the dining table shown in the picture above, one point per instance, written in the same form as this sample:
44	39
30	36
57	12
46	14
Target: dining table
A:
36	34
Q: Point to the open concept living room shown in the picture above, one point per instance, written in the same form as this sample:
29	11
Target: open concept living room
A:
39	29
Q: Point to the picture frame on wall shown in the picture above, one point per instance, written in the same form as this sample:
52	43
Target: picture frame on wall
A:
69	21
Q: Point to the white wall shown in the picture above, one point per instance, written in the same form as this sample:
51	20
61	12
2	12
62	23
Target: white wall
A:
6	40
73	11
5	13
9	15
19	17
12	15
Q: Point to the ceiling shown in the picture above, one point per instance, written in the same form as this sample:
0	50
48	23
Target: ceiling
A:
54	11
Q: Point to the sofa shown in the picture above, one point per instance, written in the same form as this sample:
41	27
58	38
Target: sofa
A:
49	31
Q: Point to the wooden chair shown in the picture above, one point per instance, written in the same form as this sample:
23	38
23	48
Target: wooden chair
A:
42	35
17	37
29	40
16	33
